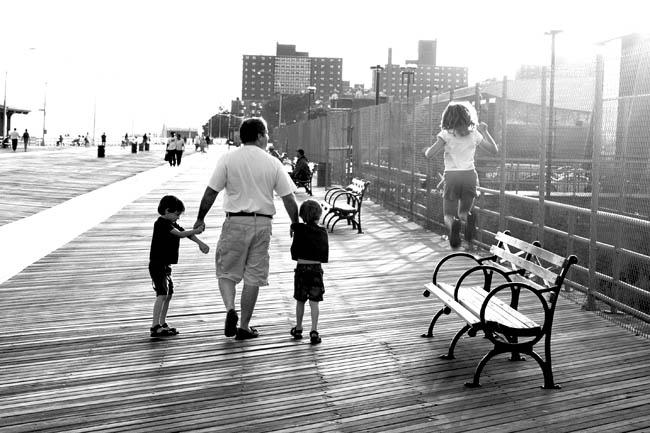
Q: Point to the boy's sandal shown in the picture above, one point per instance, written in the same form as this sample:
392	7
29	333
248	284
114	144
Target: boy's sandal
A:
159	331
314	338
296	333
172	331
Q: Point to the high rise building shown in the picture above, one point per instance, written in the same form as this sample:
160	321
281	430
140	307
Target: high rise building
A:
289	72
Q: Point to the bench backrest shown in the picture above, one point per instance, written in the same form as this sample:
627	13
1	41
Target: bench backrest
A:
358	186
536	262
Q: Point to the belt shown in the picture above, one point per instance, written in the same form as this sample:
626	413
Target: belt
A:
246	214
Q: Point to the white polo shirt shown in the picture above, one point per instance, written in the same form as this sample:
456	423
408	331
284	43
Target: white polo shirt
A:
249	176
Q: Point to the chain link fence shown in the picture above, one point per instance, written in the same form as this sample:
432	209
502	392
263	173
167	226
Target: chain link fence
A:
572	171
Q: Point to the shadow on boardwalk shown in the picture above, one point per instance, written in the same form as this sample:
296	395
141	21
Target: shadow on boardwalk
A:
75	353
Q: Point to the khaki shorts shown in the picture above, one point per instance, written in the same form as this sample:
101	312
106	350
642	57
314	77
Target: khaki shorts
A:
243	250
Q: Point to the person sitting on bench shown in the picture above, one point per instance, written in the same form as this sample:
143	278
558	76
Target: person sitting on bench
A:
301	170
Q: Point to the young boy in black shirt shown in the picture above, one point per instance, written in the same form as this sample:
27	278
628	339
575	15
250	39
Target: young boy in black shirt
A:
309	248
164	252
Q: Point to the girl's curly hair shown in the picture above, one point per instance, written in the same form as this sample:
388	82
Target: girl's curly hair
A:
459	117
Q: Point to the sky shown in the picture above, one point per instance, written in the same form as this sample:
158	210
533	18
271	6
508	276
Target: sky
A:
120	66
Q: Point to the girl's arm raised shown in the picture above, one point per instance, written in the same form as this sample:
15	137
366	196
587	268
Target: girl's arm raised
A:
436	147
488	142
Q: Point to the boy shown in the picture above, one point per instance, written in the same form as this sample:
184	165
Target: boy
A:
164	252
309	248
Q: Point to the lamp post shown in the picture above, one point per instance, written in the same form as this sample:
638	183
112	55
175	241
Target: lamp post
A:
4	109
311	90
551	118
44	105
409	71
377	69
279	85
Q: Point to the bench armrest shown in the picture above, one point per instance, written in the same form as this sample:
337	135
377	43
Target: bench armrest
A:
447	261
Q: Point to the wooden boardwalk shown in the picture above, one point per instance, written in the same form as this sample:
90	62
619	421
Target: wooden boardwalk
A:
75	354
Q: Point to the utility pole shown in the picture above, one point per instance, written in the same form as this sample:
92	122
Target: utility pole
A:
551	116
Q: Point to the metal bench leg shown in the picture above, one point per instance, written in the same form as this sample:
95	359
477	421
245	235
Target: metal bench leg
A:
549	383
479	368
443	310
454	341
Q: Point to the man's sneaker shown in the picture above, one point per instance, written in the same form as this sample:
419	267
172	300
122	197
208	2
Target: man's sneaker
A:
231	323
470	228
454	235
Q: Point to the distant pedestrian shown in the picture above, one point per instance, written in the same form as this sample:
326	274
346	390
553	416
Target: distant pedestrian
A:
170	154
460	135
197	142
104	139
164	253
26	139
180	147
203	144
60	142
14	139
309	248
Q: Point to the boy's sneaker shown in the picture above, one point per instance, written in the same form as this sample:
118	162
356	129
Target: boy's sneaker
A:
454	235
159	331
172	331
470	228
231	323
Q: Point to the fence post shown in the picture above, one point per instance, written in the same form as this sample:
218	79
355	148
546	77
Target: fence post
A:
502	155
597	120
541	185
413	140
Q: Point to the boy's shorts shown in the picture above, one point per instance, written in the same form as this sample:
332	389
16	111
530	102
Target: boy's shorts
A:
308	283
161	279
243	250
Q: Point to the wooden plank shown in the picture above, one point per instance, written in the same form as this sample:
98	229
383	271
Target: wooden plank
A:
76	355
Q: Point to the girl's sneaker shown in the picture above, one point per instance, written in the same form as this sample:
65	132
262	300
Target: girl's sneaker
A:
454	235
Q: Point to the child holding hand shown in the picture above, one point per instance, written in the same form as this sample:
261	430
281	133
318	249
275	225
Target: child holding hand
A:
309	248
165	243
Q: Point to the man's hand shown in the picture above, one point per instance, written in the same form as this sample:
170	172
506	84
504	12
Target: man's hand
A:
199	224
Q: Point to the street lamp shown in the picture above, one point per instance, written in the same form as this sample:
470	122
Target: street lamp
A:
279	86
377	70
44	104
409	71
311	90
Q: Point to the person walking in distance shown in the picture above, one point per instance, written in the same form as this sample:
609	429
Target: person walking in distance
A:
249	176
460	135
180	147
26	139
309	249
14	139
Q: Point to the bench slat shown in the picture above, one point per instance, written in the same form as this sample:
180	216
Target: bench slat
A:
538	252
522	263
469	306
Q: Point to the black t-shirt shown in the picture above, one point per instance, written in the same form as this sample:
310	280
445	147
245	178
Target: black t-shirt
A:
309	243
164	245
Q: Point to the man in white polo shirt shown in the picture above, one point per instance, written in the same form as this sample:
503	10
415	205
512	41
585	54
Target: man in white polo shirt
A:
249	175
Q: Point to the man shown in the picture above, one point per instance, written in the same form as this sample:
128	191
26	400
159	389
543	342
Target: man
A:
14	139
26	139
249	176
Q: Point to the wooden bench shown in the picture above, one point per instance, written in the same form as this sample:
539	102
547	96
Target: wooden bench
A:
344	204
306	183
486	292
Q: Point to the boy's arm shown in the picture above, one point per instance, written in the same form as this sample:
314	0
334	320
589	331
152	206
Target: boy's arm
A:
436	147
187	233
202	245
488	142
